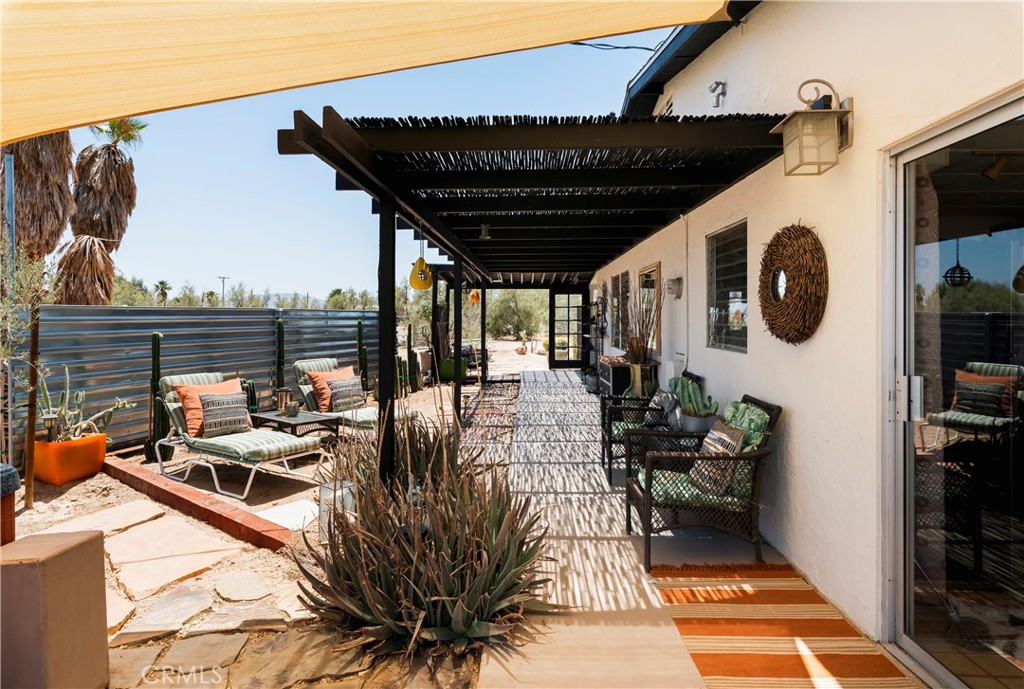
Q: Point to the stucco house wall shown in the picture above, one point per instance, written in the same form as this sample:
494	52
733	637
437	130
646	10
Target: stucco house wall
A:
908	65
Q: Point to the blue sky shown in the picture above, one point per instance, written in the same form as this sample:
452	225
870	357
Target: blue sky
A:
215	198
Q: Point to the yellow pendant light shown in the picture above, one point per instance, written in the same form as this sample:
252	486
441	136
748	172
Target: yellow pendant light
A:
421	278
474	297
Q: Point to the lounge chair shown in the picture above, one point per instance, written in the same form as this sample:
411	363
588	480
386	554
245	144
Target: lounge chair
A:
362	417
995	426
254	448
661	488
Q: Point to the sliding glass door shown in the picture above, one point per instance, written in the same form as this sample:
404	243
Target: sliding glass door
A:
962	590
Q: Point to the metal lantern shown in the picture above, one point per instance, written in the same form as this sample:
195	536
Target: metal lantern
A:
957	276
812	138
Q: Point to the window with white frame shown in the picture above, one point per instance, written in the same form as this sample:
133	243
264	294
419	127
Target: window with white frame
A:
618	309
727	288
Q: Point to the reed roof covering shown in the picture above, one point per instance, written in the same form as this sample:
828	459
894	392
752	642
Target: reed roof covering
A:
559	196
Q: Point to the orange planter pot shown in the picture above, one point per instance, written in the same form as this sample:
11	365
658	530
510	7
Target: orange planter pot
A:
58	463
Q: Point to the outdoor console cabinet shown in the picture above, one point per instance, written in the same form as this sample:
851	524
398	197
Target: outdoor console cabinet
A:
614	378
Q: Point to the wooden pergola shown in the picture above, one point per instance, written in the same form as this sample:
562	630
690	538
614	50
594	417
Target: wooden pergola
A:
525	201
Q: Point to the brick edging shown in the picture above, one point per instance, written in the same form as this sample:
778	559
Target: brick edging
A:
233	521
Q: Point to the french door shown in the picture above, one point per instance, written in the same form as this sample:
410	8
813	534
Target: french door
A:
568	317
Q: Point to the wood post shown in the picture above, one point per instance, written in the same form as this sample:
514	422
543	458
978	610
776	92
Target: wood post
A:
387	344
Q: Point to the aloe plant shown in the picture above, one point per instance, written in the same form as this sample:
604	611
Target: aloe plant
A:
68	408
690	398
444	559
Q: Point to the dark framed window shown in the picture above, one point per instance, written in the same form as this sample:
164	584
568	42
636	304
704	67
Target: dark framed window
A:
727	288
619	309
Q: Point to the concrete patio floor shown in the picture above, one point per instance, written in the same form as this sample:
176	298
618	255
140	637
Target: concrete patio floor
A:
618	633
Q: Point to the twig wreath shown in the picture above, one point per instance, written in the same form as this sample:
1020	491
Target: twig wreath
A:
793	288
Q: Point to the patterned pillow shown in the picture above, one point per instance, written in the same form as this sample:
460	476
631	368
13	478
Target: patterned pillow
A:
715	477
1009	384
664	400
224	414
751	419
346	393
979	398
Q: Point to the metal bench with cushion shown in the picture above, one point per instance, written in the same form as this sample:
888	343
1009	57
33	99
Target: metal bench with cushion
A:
255	448
363	417
663	486
995	426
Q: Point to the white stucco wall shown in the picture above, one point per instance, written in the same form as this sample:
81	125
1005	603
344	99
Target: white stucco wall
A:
908	65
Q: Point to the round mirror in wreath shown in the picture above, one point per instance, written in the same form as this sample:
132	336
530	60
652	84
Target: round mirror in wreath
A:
793	287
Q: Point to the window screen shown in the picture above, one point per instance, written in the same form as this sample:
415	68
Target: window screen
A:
727	289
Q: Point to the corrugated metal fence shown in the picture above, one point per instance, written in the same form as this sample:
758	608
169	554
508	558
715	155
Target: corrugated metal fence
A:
108	351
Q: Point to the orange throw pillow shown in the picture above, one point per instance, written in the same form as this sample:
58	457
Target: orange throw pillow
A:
188	395
1009	384
321	385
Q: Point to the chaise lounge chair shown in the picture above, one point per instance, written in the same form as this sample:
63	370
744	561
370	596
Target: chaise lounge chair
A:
254	448
361	416
978	415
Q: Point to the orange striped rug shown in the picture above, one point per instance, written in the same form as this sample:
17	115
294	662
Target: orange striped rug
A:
766	628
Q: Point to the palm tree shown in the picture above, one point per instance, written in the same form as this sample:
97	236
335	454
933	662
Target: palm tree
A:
162	288
210	298
86	272
105	192
43	202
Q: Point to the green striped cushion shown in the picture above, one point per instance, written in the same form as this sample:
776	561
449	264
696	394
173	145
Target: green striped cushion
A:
675	489
366	417
969	422
257	445
309	398
167	383
177	416
303	366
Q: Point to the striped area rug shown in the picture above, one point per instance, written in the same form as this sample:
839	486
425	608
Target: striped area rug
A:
766	628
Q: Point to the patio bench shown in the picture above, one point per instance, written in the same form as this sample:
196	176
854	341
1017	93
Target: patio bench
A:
255	448
662	484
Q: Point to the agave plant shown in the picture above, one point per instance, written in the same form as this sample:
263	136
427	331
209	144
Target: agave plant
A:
444	561
68	408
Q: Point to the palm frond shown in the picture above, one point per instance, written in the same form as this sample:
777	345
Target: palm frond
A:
43	201
105	193
85	273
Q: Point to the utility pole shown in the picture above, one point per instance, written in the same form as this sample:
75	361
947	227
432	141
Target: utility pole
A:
223	279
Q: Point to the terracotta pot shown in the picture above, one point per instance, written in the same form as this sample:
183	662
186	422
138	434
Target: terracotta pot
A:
58	463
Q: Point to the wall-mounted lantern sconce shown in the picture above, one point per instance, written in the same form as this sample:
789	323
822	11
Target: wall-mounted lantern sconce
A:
813	138
674	288
485	231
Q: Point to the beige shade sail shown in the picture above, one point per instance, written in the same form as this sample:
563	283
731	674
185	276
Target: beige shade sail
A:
67	64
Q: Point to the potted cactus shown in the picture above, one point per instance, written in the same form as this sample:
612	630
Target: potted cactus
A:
76	445
694	414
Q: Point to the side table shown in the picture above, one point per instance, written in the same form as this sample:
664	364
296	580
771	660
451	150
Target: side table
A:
303	423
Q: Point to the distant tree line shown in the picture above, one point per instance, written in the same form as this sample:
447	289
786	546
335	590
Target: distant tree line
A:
977	296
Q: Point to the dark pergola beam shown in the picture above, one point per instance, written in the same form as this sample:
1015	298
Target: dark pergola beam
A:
590	135
337	144
567	202
565	179
644	219
563	235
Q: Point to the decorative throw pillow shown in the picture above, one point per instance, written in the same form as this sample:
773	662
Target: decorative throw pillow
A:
1009	384
346	393
715	477
192	406
224	414
321	387
979	398
664	400
749	418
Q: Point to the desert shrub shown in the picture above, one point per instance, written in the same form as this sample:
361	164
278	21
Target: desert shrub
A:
445	556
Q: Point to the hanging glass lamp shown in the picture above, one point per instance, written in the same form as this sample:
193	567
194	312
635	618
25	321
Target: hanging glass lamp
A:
421	278
957	276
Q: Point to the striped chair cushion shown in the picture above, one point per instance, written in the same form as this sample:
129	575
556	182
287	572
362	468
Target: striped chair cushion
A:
224	414
176	414
366	417
309	397
303	366
167	383
256	446
969	422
